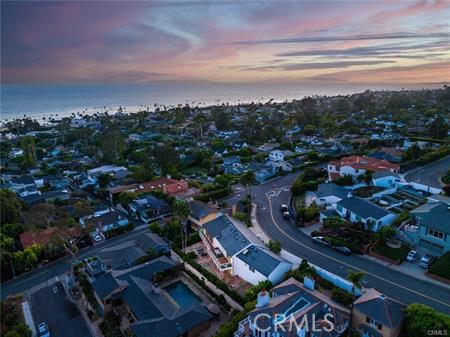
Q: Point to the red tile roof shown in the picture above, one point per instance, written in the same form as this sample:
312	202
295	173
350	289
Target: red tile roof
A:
367	163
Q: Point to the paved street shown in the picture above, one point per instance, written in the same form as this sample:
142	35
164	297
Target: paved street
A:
50	305
429	174
31	279
400	287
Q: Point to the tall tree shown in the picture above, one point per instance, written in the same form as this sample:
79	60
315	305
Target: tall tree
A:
248	179
438	128
29	151
421	319
10	207
181	209
112	143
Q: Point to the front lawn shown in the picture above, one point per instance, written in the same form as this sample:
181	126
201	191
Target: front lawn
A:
441	267
397	254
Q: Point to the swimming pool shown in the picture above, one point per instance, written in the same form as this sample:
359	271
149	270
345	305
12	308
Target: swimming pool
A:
181	294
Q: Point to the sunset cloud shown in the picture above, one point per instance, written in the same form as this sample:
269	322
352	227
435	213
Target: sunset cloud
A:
222	41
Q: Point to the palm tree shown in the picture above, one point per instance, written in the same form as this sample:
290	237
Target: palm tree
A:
355	277
248	179
181	209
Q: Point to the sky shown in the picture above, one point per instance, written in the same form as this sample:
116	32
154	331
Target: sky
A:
382	41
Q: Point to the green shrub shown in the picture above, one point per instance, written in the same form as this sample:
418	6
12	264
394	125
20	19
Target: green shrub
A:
341	296
441	267
229	328
325	284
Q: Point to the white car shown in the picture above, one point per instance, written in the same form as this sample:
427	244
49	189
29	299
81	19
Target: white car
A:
412	256
43	330
96	238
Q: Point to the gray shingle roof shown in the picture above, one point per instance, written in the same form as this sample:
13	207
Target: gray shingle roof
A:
200	209
260	259
380	308
434	215
385	173
365	209
331	189
172	327
228	235
147	270
104	285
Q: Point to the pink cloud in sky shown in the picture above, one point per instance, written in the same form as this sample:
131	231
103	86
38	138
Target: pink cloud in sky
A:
120	41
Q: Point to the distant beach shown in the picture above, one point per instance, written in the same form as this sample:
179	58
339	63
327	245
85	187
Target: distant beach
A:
47	101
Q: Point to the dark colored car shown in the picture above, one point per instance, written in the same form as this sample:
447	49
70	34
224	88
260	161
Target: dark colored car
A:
343	250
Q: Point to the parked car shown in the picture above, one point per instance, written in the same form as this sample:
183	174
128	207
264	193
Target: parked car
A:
96	238
412	256
43	330
321	241
283	208
343	250
426	261
286	215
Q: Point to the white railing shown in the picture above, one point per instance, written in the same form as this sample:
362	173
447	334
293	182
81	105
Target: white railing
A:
241	327
219	265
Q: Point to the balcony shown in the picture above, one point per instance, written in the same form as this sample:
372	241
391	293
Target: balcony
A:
222	263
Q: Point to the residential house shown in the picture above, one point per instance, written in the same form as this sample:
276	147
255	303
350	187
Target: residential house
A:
236	250
328	194
355	209
116	171
386	179
125	254
295	309
149	309
177	188
148	207
105	221
56	195
22	186
375	315
276	155
201	213
358	165
433	221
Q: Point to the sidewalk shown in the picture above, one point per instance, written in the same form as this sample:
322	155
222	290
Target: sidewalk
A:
410	269
256	229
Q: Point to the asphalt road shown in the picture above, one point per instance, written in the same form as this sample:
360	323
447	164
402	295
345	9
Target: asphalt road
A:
33	278
50	305
398	286
429	174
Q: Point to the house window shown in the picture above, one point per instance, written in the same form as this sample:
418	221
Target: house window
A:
436	234
374	323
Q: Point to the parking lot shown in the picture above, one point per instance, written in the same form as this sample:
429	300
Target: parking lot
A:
51	305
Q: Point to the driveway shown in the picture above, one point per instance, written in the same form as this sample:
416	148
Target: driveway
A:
396	285
430	174
50	305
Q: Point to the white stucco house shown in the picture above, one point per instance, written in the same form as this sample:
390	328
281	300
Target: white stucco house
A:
374	217
386	179
276	155
234	249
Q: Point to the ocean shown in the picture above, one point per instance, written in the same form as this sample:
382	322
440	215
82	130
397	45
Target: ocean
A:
44	101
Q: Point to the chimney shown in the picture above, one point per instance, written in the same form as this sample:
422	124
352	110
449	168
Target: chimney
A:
263	298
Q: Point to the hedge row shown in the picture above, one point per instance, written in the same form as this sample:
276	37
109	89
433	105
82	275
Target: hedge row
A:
229	328
219	298
213	195
119	230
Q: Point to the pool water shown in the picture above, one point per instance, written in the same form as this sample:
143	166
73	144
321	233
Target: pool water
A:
181	294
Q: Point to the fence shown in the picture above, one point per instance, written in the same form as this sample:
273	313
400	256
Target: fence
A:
213	288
